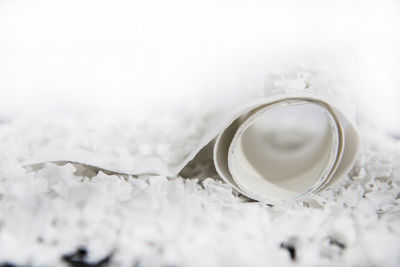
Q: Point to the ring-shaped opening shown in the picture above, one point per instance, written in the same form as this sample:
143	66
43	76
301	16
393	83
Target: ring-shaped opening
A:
284	150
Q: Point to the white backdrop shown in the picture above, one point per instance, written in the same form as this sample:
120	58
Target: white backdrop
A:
83	56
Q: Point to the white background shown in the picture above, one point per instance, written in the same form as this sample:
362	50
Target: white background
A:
81	56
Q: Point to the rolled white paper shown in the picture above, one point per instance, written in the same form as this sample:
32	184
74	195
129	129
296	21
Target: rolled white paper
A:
283	147
295	134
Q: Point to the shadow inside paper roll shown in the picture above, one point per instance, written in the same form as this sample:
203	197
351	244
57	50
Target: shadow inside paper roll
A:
285	149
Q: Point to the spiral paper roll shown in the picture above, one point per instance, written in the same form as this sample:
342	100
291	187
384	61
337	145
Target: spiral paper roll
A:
282	148
296	136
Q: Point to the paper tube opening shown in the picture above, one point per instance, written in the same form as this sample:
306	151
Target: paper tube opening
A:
283	150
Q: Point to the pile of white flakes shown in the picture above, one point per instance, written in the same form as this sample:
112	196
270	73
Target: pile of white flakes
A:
72	215
69	214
